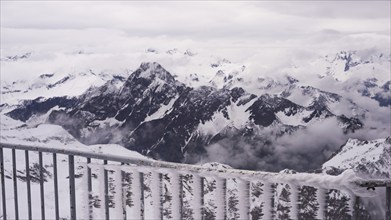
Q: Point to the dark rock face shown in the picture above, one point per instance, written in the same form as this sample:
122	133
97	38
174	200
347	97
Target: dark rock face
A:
380	93
152	113
40	106
263	110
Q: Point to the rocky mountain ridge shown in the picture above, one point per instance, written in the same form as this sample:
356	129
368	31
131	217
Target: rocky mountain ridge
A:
153	113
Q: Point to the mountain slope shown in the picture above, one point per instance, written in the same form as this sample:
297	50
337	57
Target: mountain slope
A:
368	158
152	113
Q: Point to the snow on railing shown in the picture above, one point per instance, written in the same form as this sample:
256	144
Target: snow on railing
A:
41	182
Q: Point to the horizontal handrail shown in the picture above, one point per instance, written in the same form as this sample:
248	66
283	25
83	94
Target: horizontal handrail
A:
309	179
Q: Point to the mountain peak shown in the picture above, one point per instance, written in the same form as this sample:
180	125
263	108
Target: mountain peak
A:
150	65
153	71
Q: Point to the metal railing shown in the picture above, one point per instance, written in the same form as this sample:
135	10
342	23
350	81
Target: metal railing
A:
148	197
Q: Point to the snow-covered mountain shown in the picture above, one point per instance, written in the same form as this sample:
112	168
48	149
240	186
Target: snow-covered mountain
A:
153	113
200	105
369	158
51	85
361	64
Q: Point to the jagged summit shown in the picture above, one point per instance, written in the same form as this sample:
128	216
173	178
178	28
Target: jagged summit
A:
152	70
17	57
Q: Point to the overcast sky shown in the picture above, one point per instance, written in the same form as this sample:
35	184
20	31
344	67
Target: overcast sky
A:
216	24
271	34
264	36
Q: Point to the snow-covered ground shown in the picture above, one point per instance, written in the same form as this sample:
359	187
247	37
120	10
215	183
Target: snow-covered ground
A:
53	136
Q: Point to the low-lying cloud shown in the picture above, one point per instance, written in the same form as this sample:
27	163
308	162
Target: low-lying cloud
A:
303	150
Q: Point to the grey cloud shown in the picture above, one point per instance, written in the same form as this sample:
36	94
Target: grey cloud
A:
332	9
303	150
196	19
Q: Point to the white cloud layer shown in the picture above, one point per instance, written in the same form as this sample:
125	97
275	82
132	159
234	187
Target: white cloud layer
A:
267	37
43	25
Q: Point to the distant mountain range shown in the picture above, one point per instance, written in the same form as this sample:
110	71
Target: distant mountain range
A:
150	111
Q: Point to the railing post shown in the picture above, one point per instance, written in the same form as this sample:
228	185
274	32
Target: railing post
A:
15	181
267	197
41	183
221	199
4	199
356	208
202	193
153	203
123	193
244	198
72	189
89	183
197	201
142	201
274	200
181	195
388	202
294	199
106	183
322	199
28	178
55	180
175	191
161	194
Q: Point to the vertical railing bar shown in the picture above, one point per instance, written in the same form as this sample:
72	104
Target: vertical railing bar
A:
89	182
142	205
181	196
244	198
72	198
321	195
356	207
221	199
273	200
225	198
106	180
41	183
202	198
161	194
294	201
249	199
15	182
4	200
123	193
55	174
326	197
27	160
388	202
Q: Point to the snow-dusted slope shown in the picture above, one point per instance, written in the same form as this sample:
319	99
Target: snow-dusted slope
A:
356	64
54	85
53	136
369	158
